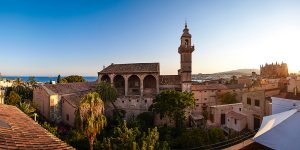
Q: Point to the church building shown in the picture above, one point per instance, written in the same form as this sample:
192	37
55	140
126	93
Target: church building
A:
138	83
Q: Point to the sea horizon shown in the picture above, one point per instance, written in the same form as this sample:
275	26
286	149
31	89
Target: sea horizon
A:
45	78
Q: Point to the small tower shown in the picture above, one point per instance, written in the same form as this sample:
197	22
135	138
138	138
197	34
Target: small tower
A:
185	50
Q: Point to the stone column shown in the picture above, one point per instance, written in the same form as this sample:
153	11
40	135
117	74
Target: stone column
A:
157	84
141	85
99	78
126	84
111	77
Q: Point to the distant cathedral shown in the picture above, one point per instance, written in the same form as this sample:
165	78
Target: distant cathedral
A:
274	70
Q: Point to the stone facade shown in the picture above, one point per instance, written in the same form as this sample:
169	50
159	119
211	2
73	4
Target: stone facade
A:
256	106
230	116
138	83
294	86
208	95
274	70
185	50
58	102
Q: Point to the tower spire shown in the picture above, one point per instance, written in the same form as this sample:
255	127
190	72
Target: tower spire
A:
185	50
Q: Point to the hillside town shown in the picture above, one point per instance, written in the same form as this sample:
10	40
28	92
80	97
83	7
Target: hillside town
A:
136	98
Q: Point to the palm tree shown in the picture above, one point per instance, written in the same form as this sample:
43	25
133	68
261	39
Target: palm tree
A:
27	109
91	115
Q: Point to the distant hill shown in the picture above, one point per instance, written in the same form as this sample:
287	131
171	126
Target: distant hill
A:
240	72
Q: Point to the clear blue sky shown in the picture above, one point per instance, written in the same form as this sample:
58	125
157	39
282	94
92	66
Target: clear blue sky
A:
79	37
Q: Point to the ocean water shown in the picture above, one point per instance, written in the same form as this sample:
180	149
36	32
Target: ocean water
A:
45	79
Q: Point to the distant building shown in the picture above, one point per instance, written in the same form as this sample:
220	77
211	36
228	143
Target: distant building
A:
209	95
294	86
274	70
5	83
18	131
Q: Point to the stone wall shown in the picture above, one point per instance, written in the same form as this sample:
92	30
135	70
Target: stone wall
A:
251	110
68	113
42	99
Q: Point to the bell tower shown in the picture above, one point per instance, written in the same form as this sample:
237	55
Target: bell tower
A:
185	50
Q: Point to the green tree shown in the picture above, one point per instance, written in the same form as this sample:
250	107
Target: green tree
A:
27	109
108	93
173	104
51	129
191	138
149	141
233	80
32	80
77	139
58	78
132	139
145	120
228	98
18	82
205	114
73	78
216	135
123	138
91	115
63	80
25	92
13	98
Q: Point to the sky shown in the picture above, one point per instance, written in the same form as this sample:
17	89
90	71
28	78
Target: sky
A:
47	38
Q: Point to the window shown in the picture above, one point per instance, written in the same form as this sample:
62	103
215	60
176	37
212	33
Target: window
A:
145	101
122	101
137	100
249	101
197	105
240	109
204	91
130	100
223	119
257	103
67	117
205	98
136	84
234	121
186	43
197	99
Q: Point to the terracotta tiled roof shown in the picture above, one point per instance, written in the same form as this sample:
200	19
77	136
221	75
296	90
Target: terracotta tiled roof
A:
18	131
169	80
132	68
200	87
68	88
74	98
236	115
235	86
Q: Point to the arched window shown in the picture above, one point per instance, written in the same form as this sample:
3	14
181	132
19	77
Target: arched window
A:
186	43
